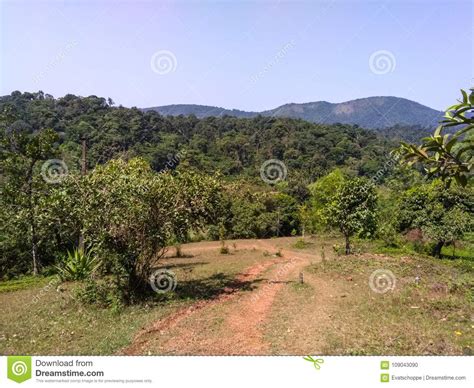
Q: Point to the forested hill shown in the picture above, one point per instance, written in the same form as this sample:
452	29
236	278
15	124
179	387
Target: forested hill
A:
235	146
371	112
200	111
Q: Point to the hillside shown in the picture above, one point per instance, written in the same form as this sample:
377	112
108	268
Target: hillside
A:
200	111
371	112
234	146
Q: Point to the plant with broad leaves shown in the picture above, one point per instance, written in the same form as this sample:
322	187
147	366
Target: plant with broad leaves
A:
448	156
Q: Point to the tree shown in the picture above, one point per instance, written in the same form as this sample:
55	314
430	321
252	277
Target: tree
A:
448	156
129	213
354	209
443	214
22	149
322	197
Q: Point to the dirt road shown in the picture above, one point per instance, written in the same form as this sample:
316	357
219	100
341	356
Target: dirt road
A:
230	324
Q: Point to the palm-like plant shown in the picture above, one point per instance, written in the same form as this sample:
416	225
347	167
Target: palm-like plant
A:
78	265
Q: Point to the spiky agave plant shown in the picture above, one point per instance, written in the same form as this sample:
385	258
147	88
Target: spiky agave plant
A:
78	264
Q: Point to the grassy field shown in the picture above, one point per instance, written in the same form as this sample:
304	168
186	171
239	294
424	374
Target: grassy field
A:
334	311
41	316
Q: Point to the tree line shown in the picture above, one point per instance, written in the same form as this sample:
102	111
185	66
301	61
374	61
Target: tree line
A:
154	181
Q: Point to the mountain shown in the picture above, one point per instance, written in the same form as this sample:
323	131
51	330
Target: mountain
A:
200	111
370	112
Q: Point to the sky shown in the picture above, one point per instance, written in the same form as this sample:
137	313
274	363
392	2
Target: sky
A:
249	55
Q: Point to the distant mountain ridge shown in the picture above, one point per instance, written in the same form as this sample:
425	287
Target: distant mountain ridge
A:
371	112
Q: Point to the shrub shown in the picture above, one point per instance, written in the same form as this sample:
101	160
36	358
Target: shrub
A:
338	250
100	293
388	234
224	248
300	244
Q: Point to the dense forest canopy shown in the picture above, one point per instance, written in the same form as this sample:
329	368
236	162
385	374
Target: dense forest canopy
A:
227	144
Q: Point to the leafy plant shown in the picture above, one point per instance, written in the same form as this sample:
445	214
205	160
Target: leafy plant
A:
448	156
300	244
101	293
322	198
224	250
78	265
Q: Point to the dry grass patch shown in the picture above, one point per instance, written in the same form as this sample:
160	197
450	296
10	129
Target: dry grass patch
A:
430	311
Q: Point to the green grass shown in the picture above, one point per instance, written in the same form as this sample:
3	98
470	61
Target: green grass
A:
40	318
24	283
43	320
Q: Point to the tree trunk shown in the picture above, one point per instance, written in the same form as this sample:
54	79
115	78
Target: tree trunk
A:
83	173
348	245
31	205
437	249
34	250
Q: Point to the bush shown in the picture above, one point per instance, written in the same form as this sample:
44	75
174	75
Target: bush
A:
388	234
100	293
300	244
338	250
224	249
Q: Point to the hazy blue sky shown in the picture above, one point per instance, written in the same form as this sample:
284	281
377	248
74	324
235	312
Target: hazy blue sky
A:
245	55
